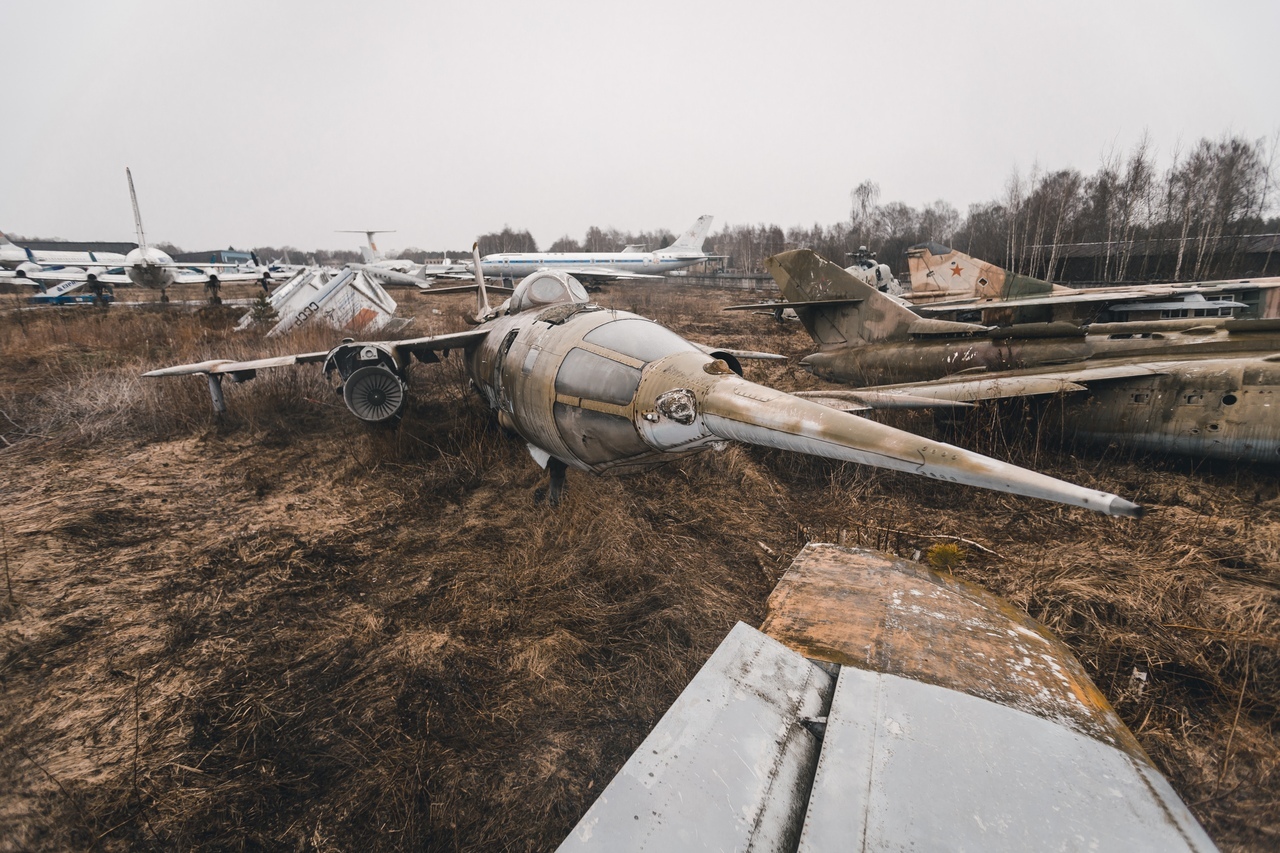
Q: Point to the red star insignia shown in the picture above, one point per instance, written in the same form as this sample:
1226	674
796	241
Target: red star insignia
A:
955	269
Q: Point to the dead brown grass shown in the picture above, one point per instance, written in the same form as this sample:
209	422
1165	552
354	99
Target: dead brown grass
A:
283	630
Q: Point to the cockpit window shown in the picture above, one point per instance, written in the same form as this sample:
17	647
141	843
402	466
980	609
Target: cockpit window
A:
547	288
638	338
585	374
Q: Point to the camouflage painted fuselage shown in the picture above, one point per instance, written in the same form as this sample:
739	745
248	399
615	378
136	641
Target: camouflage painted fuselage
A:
1201	387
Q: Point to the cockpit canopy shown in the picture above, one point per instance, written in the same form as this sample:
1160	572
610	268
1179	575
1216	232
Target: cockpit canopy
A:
544	288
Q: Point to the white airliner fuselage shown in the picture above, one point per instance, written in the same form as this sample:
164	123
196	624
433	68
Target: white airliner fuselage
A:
602	266
521	264
13	257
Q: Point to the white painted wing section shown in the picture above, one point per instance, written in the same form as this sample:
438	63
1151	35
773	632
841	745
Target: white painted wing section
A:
911	766
225	365
594	272
727	767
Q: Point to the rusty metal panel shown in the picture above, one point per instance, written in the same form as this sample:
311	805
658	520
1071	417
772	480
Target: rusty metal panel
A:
907	765
860	608
728	767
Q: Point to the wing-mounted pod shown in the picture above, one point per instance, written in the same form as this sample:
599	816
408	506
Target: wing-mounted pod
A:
372	379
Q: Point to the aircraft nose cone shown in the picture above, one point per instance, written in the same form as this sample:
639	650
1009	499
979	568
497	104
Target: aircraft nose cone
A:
1120	506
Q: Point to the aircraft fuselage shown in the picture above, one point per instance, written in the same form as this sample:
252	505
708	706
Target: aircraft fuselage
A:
1034	345
517	265
1215	408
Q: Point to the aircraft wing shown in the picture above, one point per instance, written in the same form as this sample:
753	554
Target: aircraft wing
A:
61	274
864	401
882	706
597	273
969	389
1062	299
226	365
437	343
190	275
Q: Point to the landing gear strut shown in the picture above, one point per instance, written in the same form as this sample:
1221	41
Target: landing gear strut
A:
555	494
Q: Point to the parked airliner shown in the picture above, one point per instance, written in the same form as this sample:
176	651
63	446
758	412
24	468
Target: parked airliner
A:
595	267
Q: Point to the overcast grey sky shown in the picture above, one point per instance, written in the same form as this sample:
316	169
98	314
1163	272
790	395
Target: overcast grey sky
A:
269	123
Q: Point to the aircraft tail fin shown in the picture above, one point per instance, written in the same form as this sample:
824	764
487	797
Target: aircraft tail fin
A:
944	272
137	216
836	306
695	236
4	240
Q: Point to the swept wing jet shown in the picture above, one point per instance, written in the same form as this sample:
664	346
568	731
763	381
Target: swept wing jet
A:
948	284
1202	387
596	267
608	391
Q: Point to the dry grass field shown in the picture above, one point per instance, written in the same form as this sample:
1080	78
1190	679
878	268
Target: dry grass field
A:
284	630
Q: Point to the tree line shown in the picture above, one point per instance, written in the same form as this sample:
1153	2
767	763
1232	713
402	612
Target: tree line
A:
1189	213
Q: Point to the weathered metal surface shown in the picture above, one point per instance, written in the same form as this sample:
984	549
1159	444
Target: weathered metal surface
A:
856	607
908	765
949	281
728	767
1194	386
610	392
955	723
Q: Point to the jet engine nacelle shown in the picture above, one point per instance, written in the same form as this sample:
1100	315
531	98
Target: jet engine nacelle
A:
372	380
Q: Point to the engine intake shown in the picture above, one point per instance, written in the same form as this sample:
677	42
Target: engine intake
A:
374	394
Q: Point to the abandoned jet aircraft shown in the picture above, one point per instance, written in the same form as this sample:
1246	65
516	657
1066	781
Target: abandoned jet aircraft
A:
1201	387
609	391
948	284
882	706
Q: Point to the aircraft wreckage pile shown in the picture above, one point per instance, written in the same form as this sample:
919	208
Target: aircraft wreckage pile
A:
846	701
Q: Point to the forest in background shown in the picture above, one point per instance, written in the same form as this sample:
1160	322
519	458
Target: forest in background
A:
1208	195
1193	212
